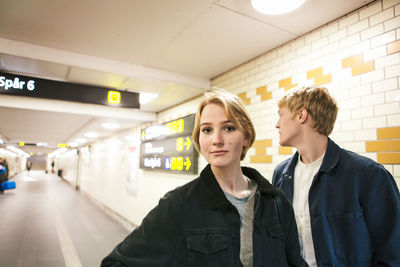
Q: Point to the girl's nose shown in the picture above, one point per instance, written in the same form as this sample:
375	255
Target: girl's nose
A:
217	138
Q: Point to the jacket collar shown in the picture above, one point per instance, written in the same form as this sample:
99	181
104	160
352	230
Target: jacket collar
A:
215	197
331	159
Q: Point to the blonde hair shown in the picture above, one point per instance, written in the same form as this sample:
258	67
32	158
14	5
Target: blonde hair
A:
317	101
234	111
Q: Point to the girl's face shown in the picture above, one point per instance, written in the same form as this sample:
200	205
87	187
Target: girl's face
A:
221	142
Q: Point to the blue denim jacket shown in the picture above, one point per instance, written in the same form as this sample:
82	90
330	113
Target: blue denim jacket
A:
354	207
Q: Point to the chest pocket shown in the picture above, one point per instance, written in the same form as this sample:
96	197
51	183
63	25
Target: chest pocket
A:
208	249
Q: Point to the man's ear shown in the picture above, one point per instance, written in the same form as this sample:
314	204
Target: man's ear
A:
302	114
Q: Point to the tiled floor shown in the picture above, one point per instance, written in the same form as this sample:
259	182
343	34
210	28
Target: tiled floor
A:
44	222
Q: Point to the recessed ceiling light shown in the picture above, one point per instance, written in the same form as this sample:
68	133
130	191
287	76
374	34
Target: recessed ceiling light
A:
274	7
145	98
74	144
42	144
91	134
110	125
80	140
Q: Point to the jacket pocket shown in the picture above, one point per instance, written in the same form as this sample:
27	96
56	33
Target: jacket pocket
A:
275	230
350	237
208	249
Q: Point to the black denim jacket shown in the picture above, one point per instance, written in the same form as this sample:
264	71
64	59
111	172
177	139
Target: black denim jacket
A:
195	225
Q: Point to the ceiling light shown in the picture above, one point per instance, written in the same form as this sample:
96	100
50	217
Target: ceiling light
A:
91	134
273	7
80	140
73	144
110	125
145	98
42	144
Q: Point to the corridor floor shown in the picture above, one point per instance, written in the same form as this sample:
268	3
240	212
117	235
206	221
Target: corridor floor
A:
45	222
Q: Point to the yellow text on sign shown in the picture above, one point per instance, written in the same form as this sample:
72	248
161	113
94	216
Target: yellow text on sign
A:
175	126
181	143
114	97
177	163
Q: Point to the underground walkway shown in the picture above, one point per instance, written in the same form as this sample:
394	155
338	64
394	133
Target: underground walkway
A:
44	222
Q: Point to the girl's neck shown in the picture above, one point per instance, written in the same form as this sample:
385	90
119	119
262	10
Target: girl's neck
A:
231	180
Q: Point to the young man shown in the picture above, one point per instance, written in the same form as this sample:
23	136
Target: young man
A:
347	207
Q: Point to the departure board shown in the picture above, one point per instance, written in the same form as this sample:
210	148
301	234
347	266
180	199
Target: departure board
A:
169	147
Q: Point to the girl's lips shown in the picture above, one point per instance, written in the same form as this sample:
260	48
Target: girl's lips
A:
219	152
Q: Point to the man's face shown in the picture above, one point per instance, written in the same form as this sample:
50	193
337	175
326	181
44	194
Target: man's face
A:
288	126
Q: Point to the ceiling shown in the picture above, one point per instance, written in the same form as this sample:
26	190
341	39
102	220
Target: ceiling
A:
173	48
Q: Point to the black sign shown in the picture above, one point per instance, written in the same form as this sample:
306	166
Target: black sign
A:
169	147
19	85
180	127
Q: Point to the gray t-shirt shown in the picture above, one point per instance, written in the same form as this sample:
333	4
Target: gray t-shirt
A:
245	207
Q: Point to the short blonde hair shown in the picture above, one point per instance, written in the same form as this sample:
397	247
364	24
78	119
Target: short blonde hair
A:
317	101
234	111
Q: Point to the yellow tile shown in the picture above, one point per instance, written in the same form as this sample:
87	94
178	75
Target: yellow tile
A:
314	73
395	145
285	150
261	150
285	82
261	159
244	98
374	146
393	47
262	143
323	79
288	87
389	158
388	133
352	61
266	96
261	90
363	68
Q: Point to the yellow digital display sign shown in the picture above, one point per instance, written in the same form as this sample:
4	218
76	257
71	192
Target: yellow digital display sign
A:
114	97
169	146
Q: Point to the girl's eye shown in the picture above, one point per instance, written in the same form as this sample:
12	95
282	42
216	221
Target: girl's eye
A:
229	128
206	130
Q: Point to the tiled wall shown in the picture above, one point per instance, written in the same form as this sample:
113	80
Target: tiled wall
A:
357	58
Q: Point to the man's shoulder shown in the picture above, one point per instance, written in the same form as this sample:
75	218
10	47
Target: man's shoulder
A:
282	165
356	159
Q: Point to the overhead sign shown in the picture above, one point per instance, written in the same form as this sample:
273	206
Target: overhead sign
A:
169	147
19	85
179	127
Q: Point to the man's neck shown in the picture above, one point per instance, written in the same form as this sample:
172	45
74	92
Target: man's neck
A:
313	148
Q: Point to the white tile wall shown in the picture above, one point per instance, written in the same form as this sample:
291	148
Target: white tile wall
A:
384	85
383	39
382	16
371	10
389	3
372	31
365	101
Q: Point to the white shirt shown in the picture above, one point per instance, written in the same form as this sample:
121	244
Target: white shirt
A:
304	174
